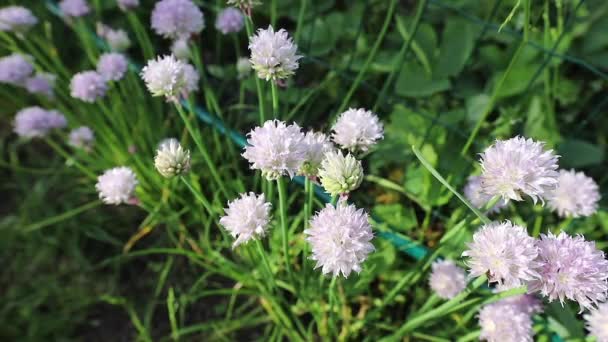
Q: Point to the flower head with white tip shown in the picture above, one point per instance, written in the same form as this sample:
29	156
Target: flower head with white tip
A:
116	185
171	159
41	83
82	137
571	268
340	174
15	69
17	19
277	149
74	8
126	5
447	279
576	195
317	145
473	192
165	76
273	54
230	20
504	322
516	167
357	130
112	66
340	239
32	122
503	251
88	86
597	322
177	18
247	218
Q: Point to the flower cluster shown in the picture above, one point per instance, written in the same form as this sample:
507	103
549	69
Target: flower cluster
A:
17	19
340	238
273	54
165	76
276	149
88	86
447	280
518	166
116	185
340	174
171	159
230	20
247	218
15	69
357	130
177	19
74	8
576	195
34	122
504	321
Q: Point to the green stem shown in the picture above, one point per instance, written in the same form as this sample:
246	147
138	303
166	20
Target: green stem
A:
284	229
331	296
199	196
300	20
370	57
262	252
417	321
67	157
258	82
61	217
275	100
197	140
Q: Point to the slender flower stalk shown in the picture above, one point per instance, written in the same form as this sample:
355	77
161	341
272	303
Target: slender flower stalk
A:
284	229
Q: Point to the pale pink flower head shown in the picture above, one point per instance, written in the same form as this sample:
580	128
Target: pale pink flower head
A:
192	78
88	86
15	69
165	76
116	185
247	218
571	268
41	83
576	195
516	167
277	149
82	137
340	239
230	20
177	18
474	194
503	251
34	122
273	54
597	322
16	19
357	130
447	280
504	322
112	66
317	146
74	8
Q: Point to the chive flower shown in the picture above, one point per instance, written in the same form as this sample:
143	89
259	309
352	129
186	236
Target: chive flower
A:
41	83
177	18
597	322
479	199
171	159
340	174
82	137
317	146
357	130
74	8
112	66
88	86
116	185
165	76
273	54
15	69
447	280
230	20
576	195
36	122
16	19
247	218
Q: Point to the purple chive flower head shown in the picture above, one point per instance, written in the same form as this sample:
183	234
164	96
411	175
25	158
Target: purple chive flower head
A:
447	279
116	185
191	77
88	86
165	76
230	20
126	5
177	18
597	322
474	193
33	122
576	195
273	54
503	251
504	322
180	49
340	239
15	69
277	149
571	268
357	130
118	40
247	218
17	19
82	137
340	174
516	167
74	8
112	66
317	146
41	83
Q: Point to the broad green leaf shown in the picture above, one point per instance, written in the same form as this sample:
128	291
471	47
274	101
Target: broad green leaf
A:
457	43
578	153
414	82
